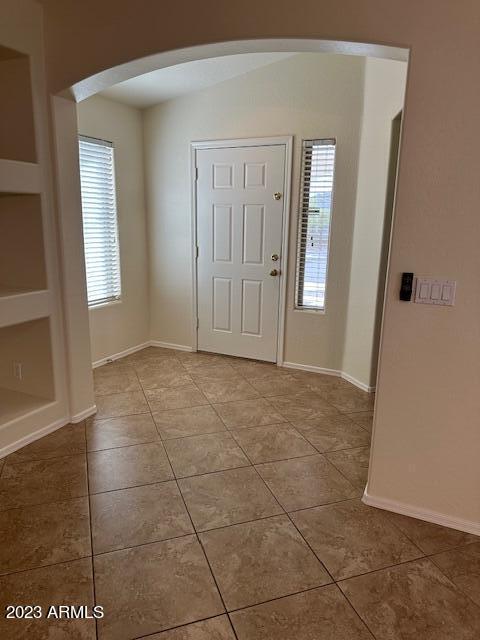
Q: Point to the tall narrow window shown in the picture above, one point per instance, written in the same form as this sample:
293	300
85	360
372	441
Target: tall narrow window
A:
100	228
318	163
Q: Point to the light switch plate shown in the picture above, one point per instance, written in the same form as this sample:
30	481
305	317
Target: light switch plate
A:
435	291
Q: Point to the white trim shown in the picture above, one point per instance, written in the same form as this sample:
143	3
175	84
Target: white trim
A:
328	372
78	417
120	354
104	79
285	141
422	514
171	345
32	437
311	368
357	383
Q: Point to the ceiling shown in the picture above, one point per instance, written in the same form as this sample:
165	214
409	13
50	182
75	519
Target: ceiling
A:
171	82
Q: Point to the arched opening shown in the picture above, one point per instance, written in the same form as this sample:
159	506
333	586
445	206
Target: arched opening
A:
354	285
102	81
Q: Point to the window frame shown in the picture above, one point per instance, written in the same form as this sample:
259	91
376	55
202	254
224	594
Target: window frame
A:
302	213
116	299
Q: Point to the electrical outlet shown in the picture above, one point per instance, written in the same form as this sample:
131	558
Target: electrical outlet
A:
18	370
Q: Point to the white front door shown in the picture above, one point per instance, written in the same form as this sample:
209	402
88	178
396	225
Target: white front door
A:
240	205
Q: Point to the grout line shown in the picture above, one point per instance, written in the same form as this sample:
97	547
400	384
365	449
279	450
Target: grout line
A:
181	626
145	544
127	446
45	566
357	613
199	541
90	529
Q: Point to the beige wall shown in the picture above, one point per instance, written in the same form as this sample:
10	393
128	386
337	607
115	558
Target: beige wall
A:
309	96
383	99
119	326
426	442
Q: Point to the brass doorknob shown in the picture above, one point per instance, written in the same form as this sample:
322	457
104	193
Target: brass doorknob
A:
277	195
274	257
274	272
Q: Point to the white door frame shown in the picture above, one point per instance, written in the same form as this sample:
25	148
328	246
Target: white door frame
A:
287	142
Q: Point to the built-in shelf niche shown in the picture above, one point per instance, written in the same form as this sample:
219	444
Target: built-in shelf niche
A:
25	347
17	131
22	258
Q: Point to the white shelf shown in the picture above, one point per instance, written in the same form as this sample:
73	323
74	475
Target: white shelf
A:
20	305
14	404
19	177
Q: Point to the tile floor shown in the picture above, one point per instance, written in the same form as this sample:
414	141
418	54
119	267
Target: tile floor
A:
214	498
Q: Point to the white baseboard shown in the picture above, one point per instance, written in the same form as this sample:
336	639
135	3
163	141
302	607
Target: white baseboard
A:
422	514
357	383
170	345
44	431
311	368
78	417
120	354
31	437
328	372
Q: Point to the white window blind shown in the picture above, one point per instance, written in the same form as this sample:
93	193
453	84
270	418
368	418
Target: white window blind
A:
316	192
99	212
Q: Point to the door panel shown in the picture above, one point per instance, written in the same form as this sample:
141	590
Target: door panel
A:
239	228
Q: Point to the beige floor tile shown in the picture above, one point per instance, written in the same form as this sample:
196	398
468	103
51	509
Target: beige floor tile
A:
159	376
151	367
331	433
179	423
121	404
412	601
154	587
218	628
176	398
114	380
150	355
261	560
203	454
302	406
431	538
320	382
227	497
67	440
44	534
248	413
120	432
214	372
128	467
280	385
227	390
349	399
70	583
192	361
462	566
306	482
363	418
353	463
43	481
319	614
257	369
139	515
115	366
272	442
351	538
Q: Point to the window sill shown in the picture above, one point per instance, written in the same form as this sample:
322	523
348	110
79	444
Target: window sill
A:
102	305
315	312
